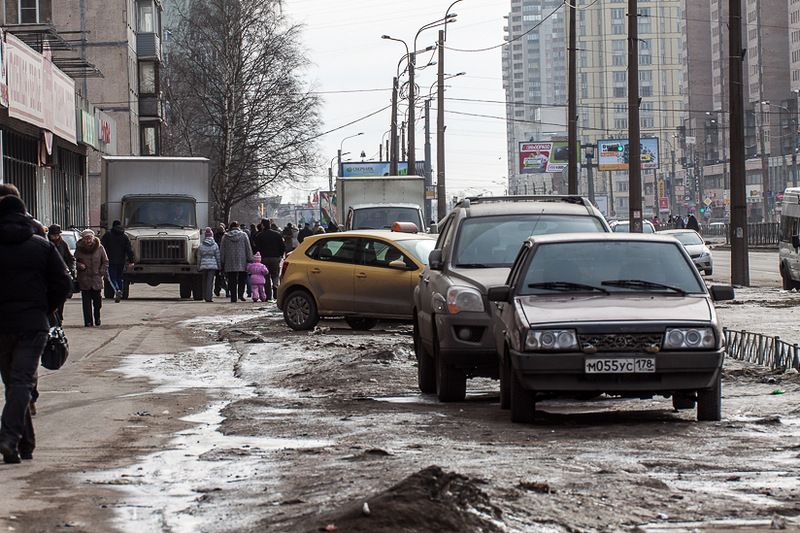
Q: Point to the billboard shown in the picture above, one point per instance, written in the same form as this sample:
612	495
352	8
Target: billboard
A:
614	153
368	169
543	157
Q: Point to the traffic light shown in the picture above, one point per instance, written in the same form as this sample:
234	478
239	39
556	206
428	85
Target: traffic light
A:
702	209
615	148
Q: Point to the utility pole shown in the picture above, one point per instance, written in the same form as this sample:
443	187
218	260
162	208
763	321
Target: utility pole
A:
339	162
572	177
589	174
764	170
330	178
612	210
393	157
634	137
672	182
740	261
403	141
793	125
428	180
441	198
412	107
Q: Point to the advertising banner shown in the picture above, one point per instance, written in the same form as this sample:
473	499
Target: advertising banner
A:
62	100
25	82
370	169
543	157
106	132
3	77
614	154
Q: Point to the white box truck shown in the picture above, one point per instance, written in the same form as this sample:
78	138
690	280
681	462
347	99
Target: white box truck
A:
378	202
163	205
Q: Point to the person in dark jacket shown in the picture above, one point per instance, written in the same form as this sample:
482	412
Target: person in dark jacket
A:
220	281
54	236
35	283
305	232
269	243
119	250
235	253
691	223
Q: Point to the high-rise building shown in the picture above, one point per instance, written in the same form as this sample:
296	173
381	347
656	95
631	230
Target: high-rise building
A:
534	77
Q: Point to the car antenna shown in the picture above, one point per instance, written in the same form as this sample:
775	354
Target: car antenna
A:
536	222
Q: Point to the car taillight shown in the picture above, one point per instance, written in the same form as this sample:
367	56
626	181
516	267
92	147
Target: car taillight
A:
284	269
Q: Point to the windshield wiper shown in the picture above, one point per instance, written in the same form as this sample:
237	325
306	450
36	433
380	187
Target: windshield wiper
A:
472	265
565	286
642	284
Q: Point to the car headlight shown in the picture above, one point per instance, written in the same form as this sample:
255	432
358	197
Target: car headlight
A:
551	340
461	299
689	339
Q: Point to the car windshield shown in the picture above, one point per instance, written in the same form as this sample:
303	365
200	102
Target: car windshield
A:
494	241
172	212
616	267
420	248
384	217
624	227
687	238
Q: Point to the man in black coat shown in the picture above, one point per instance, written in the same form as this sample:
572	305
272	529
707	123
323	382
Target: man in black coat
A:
269	244
305	232
34	284
119	250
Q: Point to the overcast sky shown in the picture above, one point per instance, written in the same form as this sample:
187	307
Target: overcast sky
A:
343	42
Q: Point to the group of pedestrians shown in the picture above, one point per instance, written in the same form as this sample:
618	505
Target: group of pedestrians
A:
679	222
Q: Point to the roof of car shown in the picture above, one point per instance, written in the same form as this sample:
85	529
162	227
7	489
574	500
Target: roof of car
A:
673	231
584	237
382	233
384	205
522	205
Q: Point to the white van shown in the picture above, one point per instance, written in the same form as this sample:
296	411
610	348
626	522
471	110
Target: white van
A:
789	247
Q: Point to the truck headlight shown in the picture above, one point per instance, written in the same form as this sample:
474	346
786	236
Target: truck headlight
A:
461	299
689	339
551	340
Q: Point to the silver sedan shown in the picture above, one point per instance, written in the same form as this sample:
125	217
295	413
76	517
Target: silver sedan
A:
696	246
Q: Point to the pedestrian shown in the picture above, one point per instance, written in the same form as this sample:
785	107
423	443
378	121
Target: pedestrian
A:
120	252
318	230
208	258
258	272
656	221
288	237
305	232
220	282
269	243
54	236
92	266
692	223
235	253
35	284
679	223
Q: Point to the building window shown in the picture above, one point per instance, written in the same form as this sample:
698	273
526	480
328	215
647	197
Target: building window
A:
149	140
148	17
148	78
29	11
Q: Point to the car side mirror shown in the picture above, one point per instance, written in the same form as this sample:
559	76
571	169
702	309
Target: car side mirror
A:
398	264
796	241
499	294
435	260
721	293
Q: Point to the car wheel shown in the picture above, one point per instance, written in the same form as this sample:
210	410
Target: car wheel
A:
787	282
451	382
709	403
358	323
300	311
683	401
505	382
523	404
426	367
709	271
185	289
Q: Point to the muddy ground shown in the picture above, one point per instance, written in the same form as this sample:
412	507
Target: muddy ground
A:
327	432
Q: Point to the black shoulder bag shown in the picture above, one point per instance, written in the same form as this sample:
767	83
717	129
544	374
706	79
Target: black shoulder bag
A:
56	350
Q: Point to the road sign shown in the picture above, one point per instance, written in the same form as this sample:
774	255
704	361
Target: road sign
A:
691	140
663	203
707	201
687	198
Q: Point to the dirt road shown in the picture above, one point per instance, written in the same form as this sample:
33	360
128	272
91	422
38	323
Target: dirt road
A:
300	431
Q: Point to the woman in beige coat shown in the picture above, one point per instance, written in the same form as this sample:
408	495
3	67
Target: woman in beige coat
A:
92	264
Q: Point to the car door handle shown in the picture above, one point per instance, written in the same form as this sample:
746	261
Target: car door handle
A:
315	271
426	280
361	275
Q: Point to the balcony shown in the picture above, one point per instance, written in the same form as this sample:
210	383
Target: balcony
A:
151	108
148	46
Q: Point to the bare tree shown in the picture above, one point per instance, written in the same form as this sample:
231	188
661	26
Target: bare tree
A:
236	96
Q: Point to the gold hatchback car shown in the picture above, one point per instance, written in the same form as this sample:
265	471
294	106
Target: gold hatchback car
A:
360	275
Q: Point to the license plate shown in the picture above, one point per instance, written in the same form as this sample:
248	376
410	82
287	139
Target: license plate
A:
640	365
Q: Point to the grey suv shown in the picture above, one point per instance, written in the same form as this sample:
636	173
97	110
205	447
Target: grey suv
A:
478	243
621	314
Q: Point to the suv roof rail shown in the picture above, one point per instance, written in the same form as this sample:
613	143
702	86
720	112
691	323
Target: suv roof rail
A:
570	199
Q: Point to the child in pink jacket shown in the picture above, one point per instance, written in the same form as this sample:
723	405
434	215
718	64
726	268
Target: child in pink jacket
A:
258	278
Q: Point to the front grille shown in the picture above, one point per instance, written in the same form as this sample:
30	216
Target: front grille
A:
162	251
622	342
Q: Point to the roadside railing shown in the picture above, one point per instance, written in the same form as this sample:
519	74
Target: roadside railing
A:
760	234
762	350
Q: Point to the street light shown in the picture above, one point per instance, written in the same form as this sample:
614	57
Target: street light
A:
330	168
441	189
341	145
446	77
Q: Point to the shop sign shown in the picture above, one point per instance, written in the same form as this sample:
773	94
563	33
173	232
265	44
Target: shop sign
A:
3	77
106	130
88	133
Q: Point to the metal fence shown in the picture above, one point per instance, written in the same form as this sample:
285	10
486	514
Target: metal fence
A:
760	234
762	350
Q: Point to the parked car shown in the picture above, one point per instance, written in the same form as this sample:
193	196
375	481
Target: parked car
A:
624	226
477	244
696	246
622	314
360	275
71	237
789	245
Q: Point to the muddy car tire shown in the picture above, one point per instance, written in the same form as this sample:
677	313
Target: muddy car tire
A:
185	289
523	402
709	403
426	367
358	323
505	383
786	279
681	402
300	311
709	271
451	382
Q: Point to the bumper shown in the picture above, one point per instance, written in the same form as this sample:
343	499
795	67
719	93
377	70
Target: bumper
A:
466	341
675	371
702	263
144	273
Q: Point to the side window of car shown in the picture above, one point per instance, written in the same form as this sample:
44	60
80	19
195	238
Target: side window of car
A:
313	250
379	254
517	266
443	229
336	250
